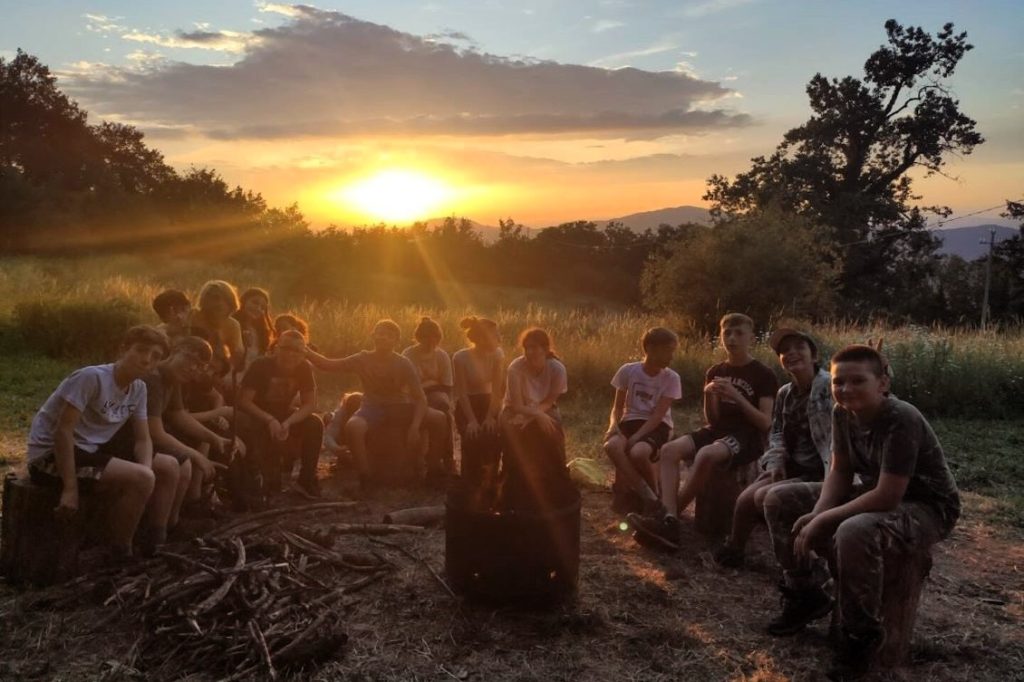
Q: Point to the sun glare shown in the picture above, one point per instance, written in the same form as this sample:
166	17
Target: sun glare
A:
394	196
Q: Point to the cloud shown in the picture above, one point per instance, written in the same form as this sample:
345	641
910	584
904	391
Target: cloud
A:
606	25
623	58
702	9
220	41
324	73
101	23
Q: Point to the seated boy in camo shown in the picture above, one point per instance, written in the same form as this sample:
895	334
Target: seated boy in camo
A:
906	501
738	398
641	421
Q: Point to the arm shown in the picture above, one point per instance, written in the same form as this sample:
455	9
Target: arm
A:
332	434
462	396
498	378
759	415
346	364
663	406
306	406
190	426
618	407
64	453
774	458
143	450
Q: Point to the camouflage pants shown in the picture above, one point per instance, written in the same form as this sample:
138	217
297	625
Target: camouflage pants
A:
857	550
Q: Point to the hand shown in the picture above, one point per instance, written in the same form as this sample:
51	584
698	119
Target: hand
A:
285	432
68	505
472	430
238	446
221	423
207	467
547	423
777	474
490	424
711	388
726	389
275	429
224	411
809	529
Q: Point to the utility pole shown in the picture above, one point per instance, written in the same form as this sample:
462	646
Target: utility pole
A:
991	242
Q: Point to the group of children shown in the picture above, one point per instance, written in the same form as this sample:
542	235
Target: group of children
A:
849	475
847	471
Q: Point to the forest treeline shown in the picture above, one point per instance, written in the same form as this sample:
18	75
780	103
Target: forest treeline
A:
826	226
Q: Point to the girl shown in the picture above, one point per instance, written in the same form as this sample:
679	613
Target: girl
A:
479	387
434	368
534	460
217	301
254	319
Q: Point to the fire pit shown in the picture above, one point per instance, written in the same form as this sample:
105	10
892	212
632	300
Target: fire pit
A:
513	555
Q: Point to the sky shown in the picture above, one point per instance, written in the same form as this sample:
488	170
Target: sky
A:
540	110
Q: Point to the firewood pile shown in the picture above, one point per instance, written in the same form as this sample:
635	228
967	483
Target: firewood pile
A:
259	596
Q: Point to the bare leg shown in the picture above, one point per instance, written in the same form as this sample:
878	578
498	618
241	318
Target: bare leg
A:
640	456
615	448
195	486
708	458
673	454
748	513
165	489
355	436
128	486
435	425
184	481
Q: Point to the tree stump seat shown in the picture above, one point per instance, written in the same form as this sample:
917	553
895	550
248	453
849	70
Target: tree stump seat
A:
714	505
36	547
392	463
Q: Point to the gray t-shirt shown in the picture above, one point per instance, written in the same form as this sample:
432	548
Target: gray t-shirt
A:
535	387
163	393
385	380
433	369
104	405
476	370
900	441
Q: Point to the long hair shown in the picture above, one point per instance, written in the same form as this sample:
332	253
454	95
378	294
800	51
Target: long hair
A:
264	326
219	287
477	327
540	337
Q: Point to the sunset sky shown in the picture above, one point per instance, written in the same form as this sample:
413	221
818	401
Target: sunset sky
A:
542	110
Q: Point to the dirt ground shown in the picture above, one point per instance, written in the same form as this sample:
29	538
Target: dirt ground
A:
639	615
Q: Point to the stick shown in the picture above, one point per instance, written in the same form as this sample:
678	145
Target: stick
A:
222	591
261	644
244	523
417	516
415	557
374	529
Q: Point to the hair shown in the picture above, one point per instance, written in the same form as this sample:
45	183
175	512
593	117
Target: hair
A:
426	329
858	352
264	327
219	287
290	334
477	328
351	402
390	325
540	337
167	299
735	320
294	321
658	336
194	346
145	335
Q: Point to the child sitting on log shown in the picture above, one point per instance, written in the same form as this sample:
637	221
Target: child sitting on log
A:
738	398
434	368
533	465
641	421
72	445
907	500
800	440
270	422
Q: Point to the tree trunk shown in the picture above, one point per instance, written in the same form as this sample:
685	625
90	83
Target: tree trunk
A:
904	579
713	508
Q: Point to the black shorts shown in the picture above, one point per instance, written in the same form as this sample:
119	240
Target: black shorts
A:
656	438
89	468
744	448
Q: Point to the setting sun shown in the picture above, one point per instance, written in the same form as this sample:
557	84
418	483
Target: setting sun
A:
395	196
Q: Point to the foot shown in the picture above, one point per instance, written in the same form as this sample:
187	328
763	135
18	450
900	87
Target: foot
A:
799	608
852	658
659	531
310	489
625	501
728	556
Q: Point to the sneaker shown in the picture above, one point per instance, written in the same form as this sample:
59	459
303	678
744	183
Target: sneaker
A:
728	556
853	657
655	531
799	607
309	489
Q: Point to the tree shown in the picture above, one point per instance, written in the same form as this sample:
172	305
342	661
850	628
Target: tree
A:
846	168
762	264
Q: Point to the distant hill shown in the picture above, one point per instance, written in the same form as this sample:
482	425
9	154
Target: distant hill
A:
663	216
966	242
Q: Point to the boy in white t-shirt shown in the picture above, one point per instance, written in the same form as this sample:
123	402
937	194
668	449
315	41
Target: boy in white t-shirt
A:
641	421
72	444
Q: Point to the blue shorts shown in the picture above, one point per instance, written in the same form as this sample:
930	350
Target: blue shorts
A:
380	415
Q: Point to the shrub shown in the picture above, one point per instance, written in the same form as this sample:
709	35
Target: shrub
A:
82	330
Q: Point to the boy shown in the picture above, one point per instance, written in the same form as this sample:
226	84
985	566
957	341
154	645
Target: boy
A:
641	420
268	391
907	500
389	381
738	398
800	441
174	310
174	430
72	445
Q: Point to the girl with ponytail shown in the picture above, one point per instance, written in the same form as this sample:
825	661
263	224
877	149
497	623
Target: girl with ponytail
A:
434	368
479	386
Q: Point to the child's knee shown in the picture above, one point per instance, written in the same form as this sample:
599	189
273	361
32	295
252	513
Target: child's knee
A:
640	454
356	426
711	455
165	470
142	480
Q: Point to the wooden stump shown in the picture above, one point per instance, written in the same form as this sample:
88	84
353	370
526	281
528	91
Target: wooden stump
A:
714	505
905	576
389	457
34	546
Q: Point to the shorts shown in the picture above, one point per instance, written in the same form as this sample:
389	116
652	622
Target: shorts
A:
656	438
89	468
379	415
744	448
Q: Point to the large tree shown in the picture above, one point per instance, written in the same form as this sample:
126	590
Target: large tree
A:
847	168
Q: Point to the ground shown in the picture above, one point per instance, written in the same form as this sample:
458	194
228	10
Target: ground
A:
639	615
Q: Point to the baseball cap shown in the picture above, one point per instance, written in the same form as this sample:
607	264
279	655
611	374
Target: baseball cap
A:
782	333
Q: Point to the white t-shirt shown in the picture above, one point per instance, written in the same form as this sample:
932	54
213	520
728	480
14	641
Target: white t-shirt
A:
644	392
105	407
534	388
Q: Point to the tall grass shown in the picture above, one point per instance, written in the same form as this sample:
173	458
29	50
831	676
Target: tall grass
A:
946	372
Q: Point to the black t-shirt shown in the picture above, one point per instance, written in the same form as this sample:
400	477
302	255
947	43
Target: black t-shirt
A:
163	393
754	381
275	387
